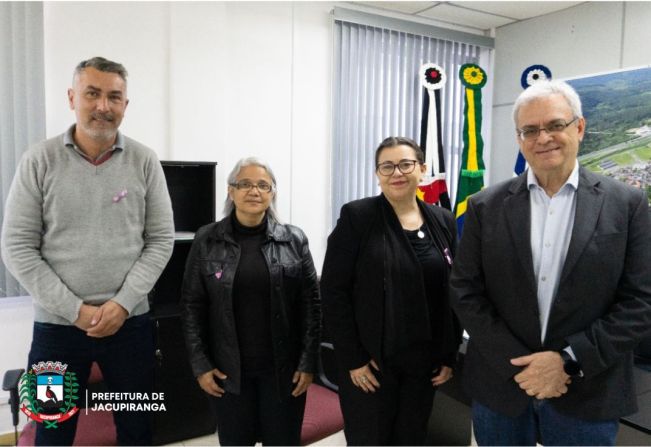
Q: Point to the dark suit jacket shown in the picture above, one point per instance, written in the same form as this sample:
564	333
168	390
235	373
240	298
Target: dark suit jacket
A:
602	307
357	274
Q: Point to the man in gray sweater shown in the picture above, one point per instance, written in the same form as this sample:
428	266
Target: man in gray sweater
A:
88	230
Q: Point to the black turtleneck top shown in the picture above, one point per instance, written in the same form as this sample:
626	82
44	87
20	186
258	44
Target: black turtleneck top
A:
252	299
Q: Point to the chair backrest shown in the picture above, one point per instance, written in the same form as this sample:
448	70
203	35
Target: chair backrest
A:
323	415
327	367
643	350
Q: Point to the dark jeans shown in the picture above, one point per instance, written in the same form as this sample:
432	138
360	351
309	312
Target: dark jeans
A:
539	423
398	412
257	414
126	359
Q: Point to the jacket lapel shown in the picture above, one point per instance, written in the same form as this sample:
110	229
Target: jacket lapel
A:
517	209
589	200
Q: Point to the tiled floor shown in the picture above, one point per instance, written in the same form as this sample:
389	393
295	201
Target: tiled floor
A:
337	439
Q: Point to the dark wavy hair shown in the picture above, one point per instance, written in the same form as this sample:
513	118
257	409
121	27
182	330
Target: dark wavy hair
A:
399	141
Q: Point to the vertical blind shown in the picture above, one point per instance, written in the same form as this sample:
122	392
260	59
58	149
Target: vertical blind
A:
22	96
377	93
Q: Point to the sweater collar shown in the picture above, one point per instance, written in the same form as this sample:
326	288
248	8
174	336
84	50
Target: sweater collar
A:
68	139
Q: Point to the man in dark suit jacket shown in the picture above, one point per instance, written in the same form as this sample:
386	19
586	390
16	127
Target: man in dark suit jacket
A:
552	282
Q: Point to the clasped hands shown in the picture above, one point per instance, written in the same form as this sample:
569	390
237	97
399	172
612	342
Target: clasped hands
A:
101	321
364	379
542	375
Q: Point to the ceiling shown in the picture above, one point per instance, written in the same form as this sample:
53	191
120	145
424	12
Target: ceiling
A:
479	15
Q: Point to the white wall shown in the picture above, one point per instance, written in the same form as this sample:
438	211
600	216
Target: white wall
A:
214	82
16	319
133	33
589	38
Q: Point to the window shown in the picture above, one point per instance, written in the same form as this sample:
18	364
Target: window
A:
22	89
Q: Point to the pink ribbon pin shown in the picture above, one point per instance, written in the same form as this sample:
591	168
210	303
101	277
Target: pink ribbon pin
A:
119	196
218	274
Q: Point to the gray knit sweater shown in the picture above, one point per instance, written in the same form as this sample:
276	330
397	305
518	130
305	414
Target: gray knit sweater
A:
74	232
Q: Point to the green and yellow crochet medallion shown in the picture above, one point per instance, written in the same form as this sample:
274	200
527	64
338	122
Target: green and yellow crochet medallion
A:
471	178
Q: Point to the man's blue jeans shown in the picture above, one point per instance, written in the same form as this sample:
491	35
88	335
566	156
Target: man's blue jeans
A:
539	423
126	359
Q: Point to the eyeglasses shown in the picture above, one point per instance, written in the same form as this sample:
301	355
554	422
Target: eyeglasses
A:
405	166
245	185
553	128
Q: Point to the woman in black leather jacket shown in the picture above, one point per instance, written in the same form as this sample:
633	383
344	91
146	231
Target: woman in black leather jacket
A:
251	314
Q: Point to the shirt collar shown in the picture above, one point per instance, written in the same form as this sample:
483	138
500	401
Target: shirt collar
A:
68	139
572	180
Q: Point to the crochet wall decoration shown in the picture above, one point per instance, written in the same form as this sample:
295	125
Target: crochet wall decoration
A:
432	188
530	76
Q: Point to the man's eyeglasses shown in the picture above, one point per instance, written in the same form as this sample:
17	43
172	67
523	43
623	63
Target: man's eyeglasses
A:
405	166
553	128
245	185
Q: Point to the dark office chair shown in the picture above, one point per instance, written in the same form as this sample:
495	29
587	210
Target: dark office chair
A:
327	369
322	411
10	383
643	354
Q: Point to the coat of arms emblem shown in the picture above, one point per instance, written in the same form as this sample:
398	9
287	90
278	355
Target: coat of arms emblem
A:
48	392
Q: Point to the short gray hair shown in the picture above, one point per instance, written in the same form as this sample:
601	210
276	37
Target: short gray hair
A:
101	64
229	206
544	89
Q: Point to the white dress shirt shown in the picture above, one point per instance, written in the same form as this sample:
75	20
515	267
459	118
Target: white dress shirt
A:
552	220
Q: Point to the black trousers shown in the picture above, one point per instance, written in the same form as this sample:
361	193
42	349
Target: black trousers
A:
398	412
257	414
126	359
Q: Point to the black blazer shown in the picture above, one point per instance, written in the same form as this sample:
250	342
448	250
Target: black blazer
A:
207	303
357	274
602	307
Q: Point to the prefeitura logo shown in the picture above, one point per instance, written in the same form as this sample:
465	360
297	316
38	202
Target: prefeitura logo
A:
48	393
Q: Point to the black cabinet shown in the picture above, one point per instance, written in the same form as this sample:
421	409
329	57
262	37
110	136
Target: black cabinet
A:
189	412
192	190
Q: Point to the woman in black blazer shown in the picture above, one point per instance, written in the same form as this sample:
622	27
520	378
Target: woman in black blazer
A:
251	314
384	291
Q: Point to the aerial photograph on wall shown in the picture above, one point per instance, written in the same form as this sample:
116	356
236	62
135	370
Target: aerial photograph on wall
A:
617	109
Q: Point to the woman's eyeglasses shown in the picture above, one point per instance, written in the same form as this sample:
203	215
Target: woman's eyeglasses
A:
245	185
405	166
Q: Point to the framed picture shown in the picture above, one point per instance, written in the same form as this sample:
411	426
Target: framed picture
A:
617	109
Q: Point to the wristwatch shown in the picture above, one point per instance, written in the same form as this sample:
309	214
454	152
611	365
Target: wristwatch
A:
571	367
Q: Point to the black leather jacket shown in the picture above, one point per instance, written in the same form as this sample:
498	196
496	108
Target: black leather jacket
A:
207	303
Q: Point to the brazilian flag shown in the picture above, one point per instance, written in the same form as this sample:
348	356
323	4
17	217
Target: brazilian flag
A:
471	178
